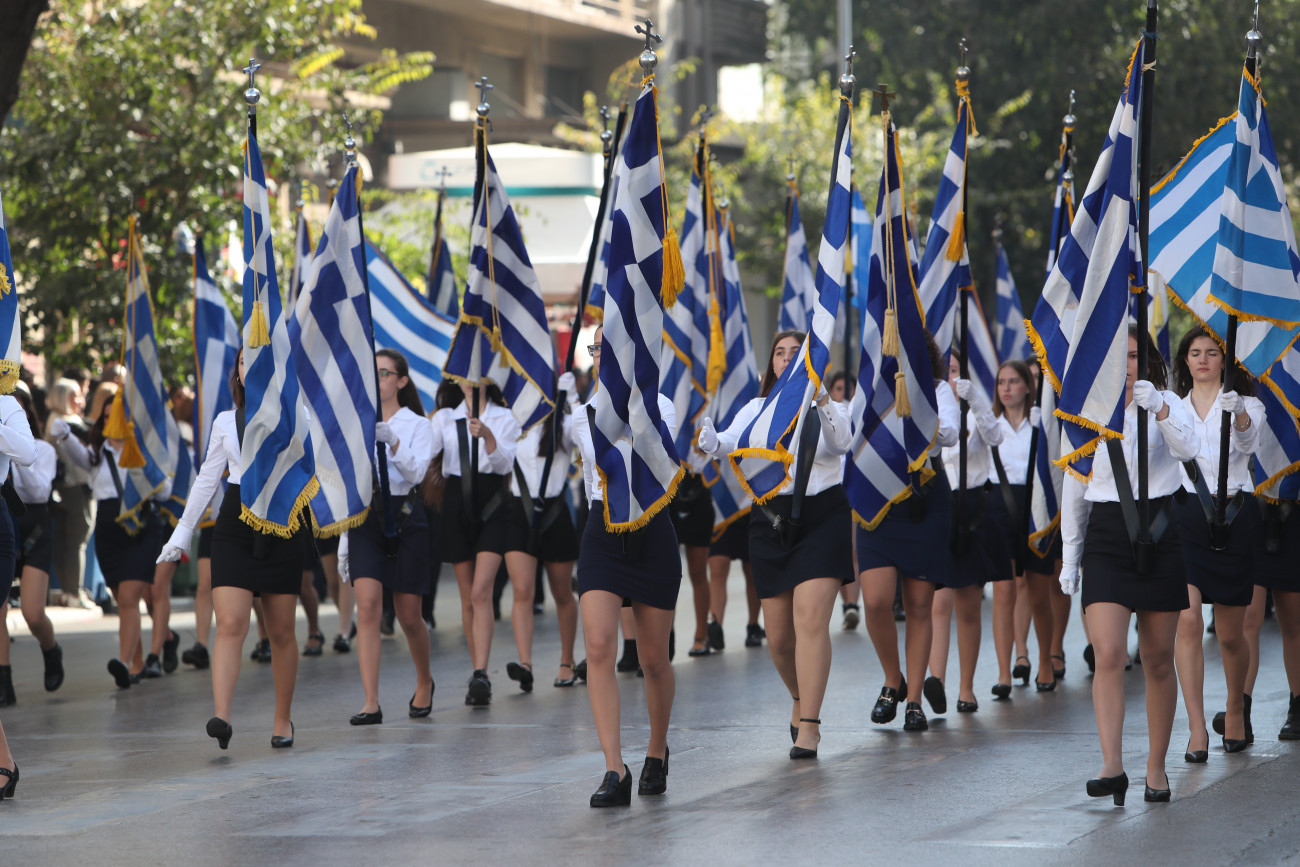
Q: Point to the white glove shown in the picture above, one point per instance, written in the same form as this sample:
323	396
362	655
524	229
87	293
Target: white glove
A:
59	428
1035	416
708	438
344	573
1230	401
963	389
384	434
170	554
1148	397
1070	578
568	383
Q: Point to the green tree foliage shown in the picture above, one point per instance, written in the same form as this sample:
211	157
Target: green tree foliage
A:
137	107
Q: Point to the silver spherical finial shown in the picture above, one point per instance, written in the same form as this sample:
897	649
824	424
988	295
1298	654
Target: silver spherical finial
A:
963	71
606	137
847	82
648	59
1068	177
252	95
349	143
790	177
1069	120
483	89
724	203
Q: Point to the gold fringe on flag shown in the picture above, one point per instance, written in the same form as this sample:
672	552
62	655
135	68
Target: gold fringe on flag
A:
890	343
258	334
957	240
674	276
902	403
132	458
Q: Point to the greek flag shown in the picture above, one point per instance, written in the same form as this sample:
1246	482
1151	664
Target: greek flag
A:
334	357
405	320
981	356
1078	329
151	424
684	362
442	280
799	291
1157	311
764	453
1013	345
277	474
503	313
216	347
600	269
1063	205
301	261
887	461
635	455
1277	458
945	265
10	318
860	230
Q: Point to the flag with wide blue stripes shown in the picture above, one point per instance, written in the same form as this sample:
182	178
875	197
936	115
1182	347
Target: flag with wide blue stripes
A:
443	293
302	251
277	477
1013	344
334	357
10	318
503	314
945	264
684	362
600	269
216	347
981	353
146	402
636	459
798	288
1277	457
405	320
765	450
888	458
1078	329
1063	203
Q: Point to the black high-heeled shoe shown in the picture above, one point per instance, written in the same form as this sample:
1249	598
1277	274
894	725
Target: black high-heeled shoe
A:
1001	690
935	694
1091	658
7	790
1197	757
1021	671
654	776
797	752
1232	745
885	710
281	743
1116	787
1157	796
914	719
1048	686
522	673
794	730
566	681
368	719
420	712
221	730
1059	673
580	671
614	791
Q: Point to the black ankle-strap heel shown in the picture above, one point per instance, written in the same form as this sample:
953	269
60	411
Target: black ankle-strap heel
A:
799	752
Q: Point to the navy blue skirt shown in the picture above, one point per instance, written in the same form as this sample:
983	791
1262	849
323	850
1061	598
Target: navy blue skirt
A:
734	541
8	553
646	569
1110	572
1277	561
410	571
1224	577
820	550
121	556
258	562
913	537
986	555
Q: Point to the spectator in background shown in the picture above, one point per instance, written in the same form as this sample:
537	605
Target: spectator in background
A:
114	372
73	510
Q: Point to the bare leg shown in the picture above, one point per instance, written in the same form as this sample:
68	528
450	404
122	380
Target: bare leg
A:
918	597
967	602
1004	613
485	575
1189	658
560	576
36	585
128	595
1287	606
6	757
406	607
161	608
369	595
878	601
751	592
719	570
260	616
1108	625
311	607
281	611
600	616
1156	633
813	603
697	567
464	573
1038	588
1023	615
523	579
941	623
653	626
203	603
232	606
1061	605
4	632
1252	625
1233	647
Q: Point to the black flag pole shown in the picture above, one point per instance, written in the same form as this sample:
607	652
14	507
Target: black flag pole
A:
480	195
1144	542
436	251
962	529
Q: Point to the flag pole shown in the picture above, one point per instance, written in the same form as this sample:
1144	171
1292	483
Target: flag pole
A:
1144	542
480	194
1219	529
850	54
436	250
962	534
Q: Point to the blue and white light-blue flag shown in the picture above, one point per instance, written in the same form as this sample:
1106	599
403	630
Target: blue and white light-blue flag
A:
636	459
981	354
443	293
860	231
600	269
334	357
405	320
1063	204
277	476
503	317
1277	458
10	318
945	264
895	411
1078	329
765	450
1013	345
799	290
302	251
216	347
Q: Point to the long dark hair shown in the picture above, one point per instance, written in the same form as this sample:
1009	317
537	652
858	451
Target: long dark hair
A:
33	421
1021	370
97	434
937	365
237	384
1241	381
769	375
448	395
1157	370
408	395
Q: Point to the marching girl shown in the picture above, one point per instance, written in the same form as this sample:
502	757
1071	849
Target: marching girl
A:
246	563
475	523
798	574
646	579
127	561
911	543
16	447
733	544
1224	578
546	535
850	594
375	563
33	538
1095	542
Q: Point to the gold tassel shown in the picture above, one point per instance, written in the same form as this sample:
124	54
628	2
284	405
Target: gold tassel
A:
674	276
495	339
258	335
717	364
891	343
902	403
132	457
957	240
116	427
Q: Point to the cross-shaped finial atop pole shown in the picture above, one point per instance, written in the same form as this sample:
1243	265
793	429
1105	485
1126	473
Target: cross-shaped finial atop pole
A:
252	96
963	47
648	59
848	60
443	173
706	115
483	90
649	33
789	169
881	95
349	144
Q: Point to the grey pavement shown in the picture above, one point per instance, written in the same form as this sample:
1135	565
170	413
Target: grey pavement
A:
128	777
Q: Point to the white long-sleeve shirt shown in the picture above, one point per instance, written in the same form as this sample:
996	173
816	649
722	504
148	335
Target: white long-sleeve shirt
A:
949	418
531	461
981	433
498	419
35	482
1241	445
1014	449
407	465
834	441
578	430
17	445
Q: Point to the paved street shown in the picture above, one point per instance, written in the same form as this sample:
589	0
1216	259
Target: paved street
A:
129	777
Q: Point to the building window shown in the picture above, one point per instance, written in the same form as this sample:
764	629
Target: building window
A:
563	92
429	98
505	74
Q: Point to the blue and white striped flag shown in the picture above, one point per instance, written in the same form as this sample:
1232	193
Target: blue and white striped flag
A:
765	450
684	362
945	265
600	269
860	231
10	318
1013	345
1078	329
503	317
302	250
443	293
146	400
1277	458
216	347
982	356
890	450
799	289
1063	204
334	356
635	456
277	477
404	320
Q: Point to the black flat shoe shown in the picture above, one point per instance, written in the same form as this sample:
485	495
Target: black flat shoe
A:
480	690
967	706
566	681
1157	796
614	791
935	694
522	673
196	656
314	649
368	719
914	719
53	668
1021	672
420	712
716	639
8	789
1290	730
706	650
754	635
170	661
261	651
341	644
654	776
630	660
1115	787
580	671
1090	658
1002	690
282	743
1059	673
152	666
221	730
121	674
801	752
885	710
1049	686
